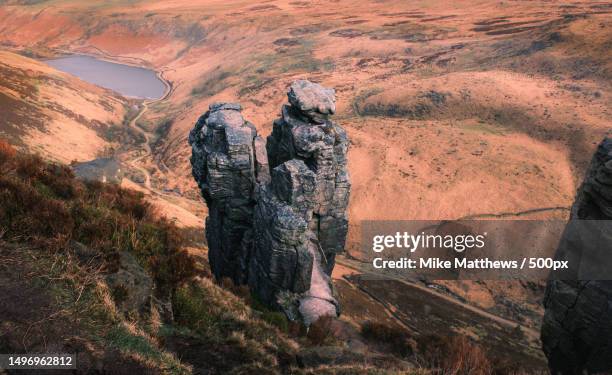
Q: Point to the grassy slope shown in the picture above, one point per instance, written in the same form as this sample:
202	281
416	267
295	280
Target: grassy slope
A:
60	242
46	111
63	245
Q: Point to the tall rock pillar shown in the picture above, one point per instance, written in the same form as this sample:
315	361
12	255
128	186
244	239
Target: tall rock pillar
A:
304	207
277	227
228	160
305	132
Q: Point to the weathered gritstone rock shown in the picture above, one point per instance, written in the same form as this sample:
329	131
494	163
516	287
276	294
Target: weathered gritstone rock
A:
304	133
577	326
322	146
281	260
228	159
312	101
280	231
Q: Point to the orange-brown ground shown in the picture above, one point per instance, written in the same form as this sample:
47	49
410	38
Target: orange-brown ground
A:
454	109
53	113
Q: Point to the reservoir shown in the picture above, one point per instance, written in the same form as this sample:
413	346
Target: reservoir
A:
129	81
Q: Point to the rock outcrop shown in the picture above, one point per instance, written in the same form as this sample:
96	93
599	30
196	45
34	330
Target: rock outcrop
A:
228	159
277	215
577	325
304	132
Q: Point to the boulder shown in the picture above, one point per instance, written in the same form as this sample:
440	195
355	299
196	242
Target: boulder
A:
131	286
312	100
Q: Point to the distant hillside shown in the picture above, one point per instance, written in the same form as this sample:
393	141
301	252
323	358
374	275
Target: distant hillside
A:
481	109
52	113
473	107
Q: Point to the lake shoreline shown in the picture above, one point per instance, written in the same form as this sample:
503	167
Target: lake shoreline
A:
120	60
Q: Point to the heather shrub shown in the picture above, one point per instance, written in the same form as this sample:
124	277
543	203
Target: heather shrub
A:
7	152
43	203
396	338
454	355
467	358
320	330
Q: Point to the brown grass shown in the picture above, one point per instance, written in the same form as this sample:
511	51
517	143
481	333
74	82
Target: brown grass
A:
455	355
224	333
320	331
395	338
43	204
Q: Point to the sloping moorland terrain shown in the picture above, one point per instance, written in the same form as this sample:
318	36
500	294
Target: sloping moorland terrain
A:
52	112
91	269
453	109
470	108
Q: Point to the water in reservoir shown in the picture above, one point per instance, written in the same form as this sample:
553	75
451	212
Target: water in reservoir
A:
129	81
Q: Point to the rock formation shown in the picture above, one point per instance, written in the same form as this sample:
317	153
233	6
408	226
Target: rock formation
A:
277	215
577	326
304	132
228	159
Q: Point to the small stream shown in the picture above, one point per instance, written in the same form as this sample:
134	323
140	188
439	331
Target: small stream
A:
129	81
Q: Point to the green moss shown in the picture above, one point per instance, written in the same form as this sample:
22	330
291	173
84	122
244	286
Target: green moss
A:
120	338
193	309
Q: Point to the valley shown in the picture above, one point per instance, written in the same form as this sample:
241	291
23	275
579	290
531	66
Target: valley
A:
474	109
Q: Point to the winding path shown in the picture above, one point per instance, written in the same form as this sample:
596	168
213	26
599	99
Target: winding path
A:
147	152
356	265
133	61
502	215
146	135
